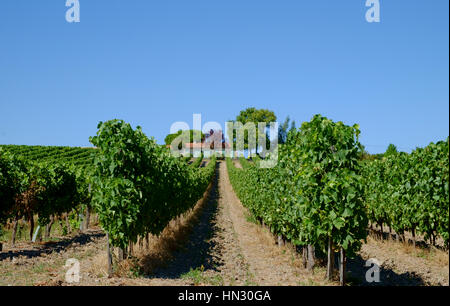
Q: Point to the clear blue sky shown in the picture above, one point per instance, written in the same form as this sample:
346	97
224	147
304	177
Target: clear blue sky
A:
154	62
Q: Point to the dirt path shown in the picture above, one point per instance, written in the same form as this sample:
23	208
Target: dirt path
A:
211	254
268	263
237	163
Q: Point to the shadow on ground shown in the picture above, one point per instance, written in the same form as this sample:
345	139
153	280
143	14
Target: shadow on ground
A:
356	275
53	246
356	272
197	252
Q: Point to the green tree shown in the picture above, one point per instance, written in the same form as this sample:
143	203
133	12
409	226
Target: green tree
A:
255	116
171	137
391	149
293	127
283	130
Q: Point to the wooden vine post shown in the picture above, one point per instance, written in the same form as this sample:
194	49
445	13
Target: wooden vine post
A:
342	264
109	256
311	257
280	241
87	218
48	227
304	256
66	217
14	232
31	227
88	210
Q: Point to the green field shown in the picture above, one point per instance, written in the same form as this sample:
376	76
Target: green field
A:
54	154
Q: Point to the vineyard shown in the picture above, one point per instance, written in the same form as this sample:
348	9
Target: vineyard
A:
410	192
323	203
321	195
314	197
80	157
138	186
51	182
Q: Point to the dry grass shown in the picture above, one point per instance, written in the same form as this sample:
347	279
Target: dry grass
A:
287	255
432	264
159	250
432	254
237	163
97	265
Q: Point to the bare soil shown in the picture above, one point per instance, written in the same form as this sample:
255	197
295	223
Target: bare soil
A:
237	163
401	264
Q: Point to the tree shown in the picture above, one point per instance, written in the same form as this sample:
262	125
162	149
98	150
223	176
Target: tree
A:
283	130
171	137
293	127
391	149
255	116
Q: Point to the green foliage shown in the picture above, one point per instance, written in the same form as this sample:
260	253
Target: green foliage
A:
11	177
255	116
283	130
56	189
187	158
138	186
244	162
268	196
80	157
42	188
198	161
315	191
391	149
329	183
74	218
193	135
410	192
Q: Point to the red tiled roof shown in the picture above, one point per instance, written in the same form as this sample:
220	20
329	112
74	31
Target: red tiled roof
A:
204	145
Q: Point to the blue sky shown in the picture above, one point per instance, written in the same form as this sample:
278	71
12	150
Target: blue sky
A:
154	62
